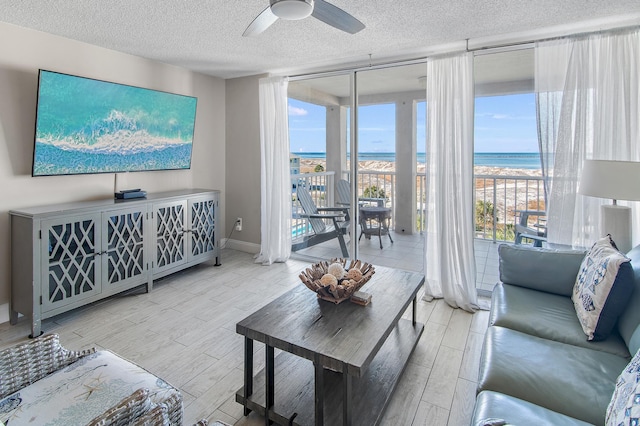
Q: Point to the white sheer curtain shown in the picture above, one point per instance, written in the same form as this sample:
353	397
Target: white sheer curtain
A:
550	71
598	119
275	212
450	268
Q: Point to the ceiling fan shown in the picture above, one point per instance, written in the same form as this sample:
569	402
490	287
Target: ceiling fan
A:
299	9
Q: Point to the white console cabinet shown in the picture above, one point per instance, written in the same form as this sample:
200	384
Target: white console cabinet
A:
68	255
183	232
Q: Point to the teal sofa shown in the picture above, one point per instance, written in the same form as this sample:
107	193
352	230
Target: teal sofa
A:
537	367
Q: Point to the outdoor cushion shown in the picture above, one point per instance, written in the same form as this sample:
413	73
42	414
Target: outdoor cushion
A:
624	408
546	315
570	380
602	289
548	270
517	412
82	391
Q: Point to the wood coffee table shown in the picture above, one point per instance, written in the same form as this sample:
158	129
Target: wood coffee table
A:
339	363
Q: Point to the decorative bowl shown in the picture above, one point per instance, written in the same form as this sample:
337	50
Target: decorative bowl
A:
324	278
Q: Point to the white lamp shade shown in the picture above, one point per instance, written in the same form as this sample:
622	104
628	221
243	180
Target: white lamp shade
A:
292	10
618	180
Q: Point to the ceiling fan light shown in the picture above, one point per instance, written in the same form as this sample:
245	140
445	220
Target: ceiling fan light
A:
292	10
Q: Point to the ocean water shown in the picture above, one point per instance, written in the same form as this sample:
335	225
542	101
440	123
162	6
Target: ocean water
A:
507	160
53	160
511	160
91	126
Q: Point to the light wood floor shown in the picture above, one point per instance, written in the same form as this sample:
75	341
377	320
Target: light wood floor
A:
407	253
184	332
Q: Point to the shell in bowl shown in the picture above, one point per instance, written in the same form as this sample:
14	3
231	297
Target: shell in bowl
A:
356	274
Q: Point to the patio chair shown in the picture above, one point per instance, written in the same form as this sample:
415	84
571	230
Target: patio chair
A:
316	217
343	192
523	230
343	196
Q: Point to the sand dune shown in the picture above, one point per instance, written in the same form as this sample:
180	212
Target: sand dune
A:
308	165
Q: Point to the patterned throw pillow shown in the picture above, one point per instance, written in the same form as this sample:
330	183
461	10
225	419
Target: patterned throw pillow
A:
602	289
624	408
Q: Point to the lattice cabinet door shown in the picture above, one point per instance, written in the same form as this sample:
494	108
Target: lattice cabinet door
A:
169	224
70	260
124	261
202	221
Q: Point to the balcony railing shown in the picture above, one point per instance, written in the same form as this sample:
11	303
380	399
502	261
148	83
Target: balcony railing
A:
421	198
498	199
374	184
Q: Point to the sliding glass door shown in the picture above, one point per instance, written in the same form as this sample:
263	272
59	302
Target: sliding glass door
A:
318	108
387	180
354	143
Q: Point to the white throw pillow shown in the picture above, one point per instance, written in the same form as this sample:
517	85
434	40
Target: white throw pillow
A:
624	408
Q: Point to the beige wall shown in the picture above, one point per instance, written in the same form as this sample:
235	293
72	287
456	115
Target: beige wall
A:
243	162
22	53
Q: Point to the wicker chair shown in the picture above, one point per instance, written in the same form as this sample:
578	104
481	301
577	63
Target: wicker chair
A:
27	363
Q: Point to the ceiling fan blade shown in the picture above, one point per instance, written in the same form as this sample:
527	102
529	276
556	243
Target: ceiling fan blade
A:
336	17
261	23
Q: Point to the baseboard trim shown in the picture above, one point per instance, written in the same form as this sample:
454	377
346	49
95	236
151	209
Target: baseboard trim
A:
244	246
4	313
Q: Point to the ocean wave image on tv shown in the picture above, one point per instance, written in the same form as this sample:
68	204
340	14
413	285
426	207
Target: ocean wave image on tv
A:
92	126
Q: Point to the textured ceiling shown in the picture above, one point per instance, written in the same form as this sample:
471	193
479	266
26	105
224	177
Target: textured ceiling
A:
206	36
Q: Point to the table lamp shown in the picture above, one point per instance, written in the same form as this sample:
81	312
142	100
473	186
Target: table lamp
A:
618	180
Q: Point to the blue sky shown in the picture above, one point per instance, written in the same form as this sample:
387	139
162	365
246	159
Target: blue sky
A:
502	124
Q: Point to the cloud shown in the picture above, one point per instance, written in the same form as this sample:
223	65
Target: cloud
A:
306	129
497	116
295	111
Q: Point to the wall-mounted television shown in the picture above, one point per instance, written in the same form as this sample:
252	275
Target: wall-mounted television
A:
91	126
